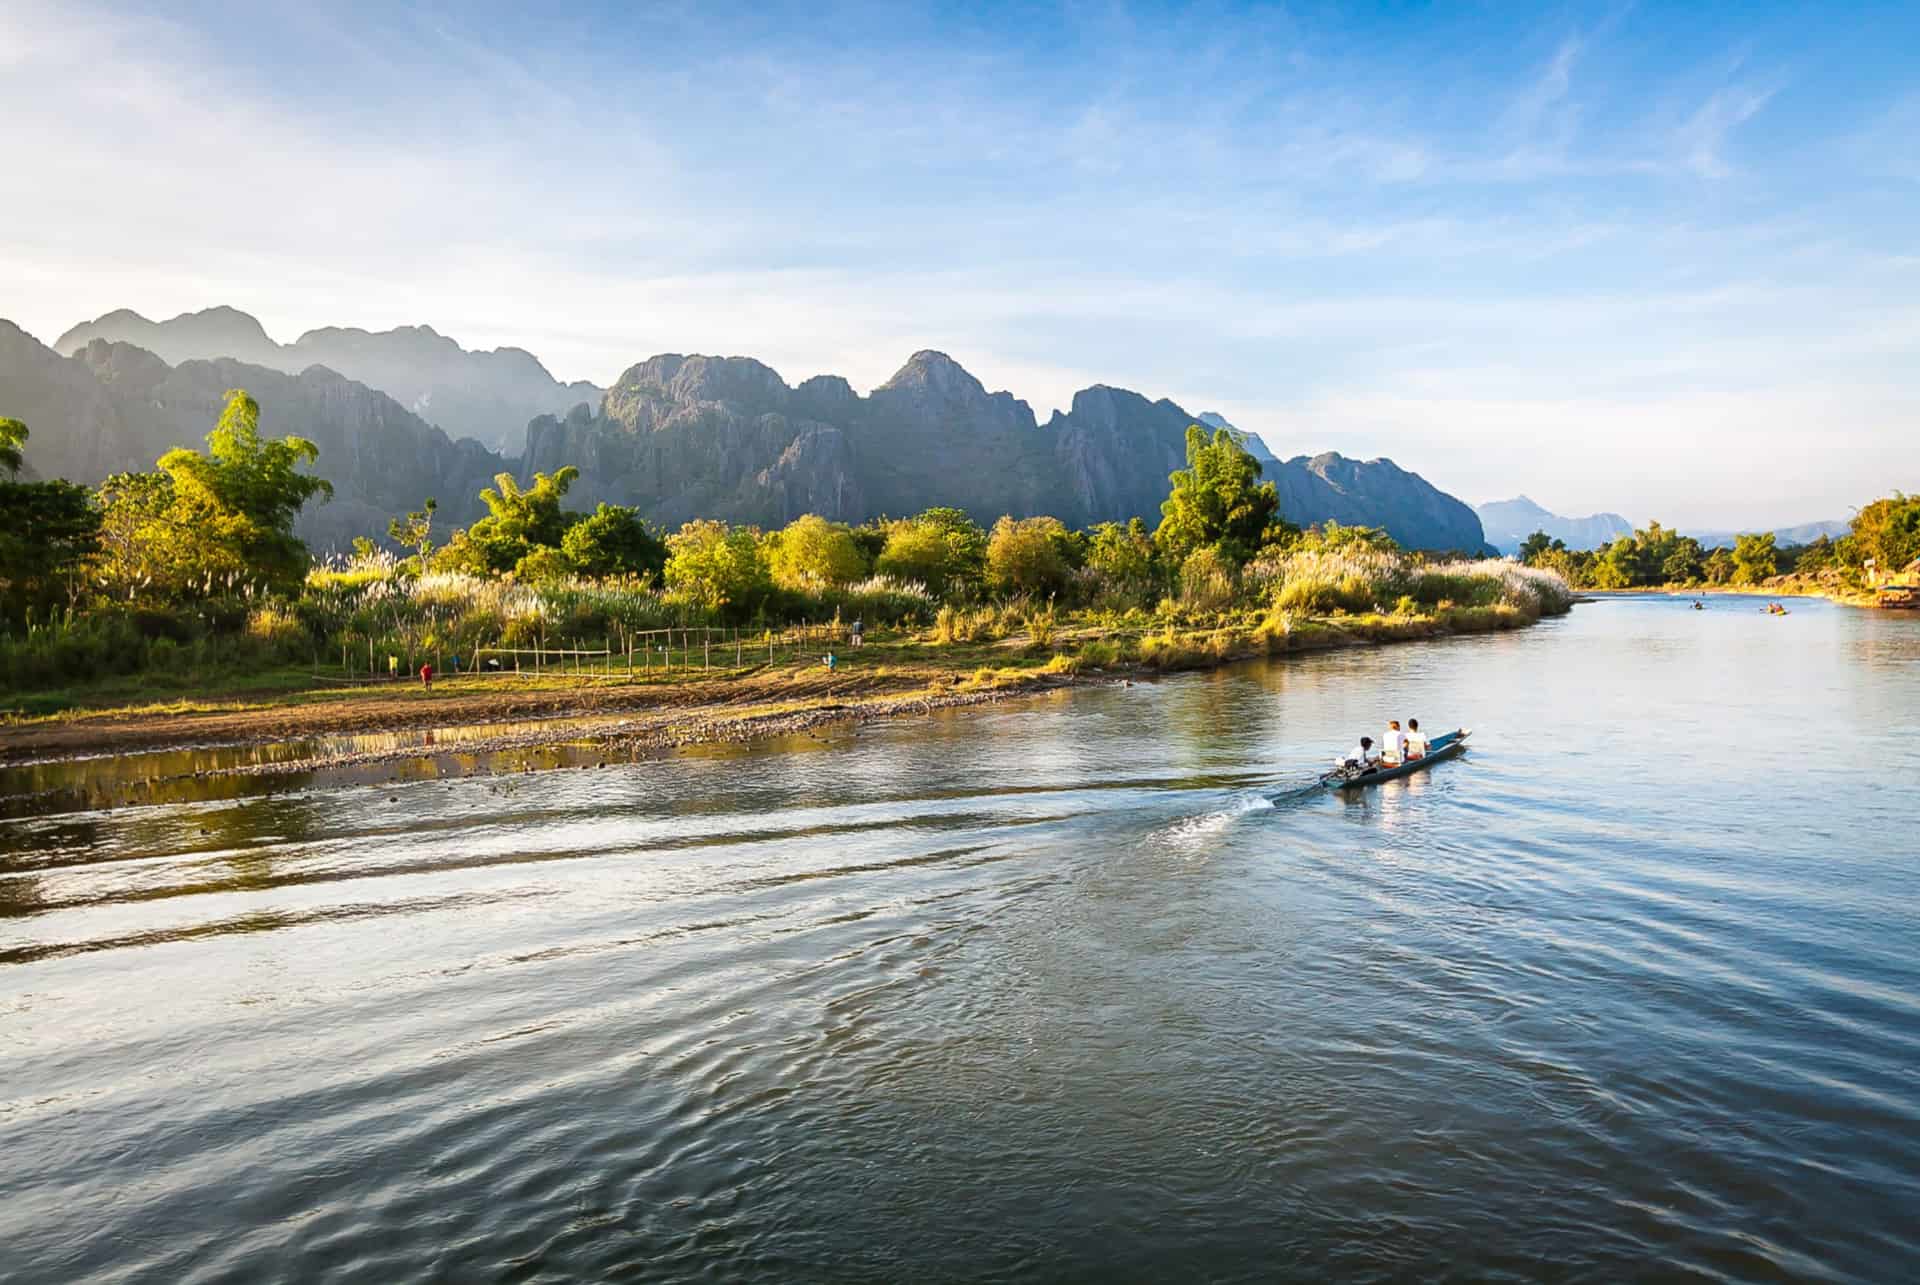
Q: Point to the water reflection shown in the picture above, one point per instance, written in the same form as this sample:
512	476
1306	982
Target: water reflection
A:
1048	990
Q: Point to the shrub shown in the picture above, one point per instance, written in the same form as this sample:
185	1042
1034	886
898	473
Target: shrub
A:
277	627
1031	555
1206	581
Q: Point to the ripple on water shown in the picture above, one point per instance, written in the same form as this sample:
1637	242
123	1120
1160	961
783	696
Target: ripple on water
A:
1089	987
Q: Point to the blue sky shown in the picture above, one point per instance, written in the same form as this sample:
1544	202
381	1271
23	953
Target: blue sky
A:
1657	259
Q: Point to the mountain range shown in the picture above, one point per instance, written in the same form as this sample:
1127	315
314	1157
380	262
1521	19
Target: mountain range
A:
1508	523
678	436
485	395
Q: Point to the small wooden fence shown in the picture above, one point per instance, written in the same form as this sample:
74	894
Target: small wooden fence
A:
642	653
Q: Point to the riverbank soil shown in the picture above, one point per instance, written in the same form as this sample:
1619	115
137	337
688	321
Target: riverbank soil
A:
886	676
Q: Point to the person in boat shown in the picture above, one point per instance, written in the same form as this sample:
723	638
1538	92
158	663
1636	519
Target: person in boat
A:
1393	748
1416	741
1360	757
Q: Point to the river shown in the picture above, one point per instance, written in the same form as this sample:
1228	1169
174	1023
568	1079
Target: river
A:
1067	988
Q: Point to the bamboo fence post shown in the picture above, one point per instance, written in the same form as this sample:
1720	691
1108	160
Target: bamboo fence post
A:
707	641
736	646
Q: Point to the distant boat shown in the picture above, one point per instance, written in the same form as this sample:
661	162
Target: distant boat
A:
1446	746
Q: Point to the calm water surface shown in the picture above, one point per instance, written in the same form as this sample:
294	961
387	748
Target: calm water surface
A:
1068	989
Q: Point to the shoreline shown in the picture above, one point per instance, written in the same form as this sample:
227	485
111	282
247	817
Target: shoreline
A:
1796	590
627	718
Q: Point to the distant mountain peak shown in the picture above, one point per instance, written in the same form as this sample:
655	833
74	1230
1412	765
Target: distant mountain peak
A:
1508	523
937	372
487	395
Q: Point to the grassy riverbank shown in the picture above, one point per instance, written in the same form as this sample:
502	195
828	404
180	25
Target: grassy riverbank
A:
896	671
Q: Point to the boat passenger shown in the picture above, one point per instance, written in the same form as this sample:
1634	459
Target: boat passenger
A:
1361	757
1416	741
1393	749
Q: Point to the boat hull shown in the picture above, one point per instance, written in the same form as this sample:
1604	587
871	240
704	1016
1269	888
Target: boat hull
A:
1452	745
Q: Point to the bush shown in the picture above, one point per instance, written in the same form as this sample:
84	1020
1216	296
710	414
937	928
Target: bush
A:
1031	556
1206	581
278	628
1040	624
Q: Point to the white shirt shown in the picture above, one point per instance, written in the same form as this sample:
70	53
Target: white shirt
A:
1416	743
1358	754
1394	745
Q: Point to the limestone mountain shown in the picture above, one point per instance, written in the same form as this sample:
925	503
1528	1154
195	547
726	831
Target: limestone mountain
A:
485	395
114	407
1509	522
1255	445
684	436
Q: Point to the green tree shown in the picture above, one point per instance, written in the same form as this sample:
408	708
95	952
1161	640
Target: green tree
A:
1537	545
1031	555
416	531
719	567
811	552
519	520
1217	501
1887	531
13	438
48	530
1813	559
543	565
1684	562
942	549
1754	558
1718	567
1124	562
614	541
224	515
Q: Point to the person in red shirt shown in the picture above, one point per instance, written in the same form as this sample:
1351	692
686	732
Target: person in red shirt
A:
426	675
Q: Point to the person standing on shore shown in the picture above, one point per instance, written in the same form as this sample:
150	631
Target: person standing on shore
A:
426	675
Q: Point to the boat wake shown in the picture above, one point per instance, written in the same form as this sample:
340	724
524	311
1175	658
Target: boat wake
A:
1193	831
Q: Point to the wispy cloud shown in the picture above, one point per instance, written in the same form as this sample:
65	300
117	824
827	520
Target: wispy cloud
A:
1700	141
1321	224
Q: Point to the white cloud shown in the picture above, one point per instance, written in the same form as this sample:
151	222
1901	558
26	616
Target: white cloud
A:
1285	237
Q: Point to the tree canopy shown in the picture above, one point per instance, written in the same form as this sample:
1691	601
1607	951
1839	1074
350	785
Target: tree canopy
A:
226	515
48	530
942	548
718	566
614	541
1033	555
1217	501
811	552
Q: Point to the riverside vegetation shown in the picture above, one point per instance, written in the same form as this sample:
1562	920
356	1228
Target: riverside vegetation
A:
1884	538
188	581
